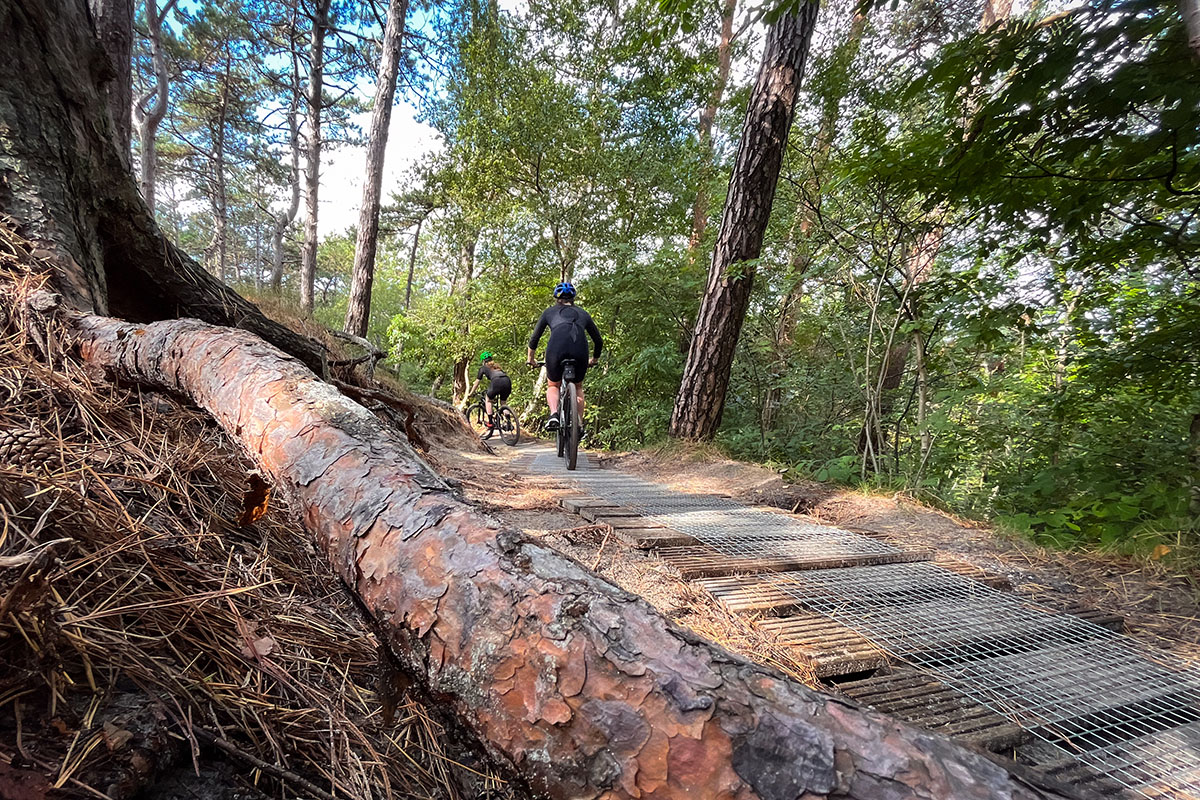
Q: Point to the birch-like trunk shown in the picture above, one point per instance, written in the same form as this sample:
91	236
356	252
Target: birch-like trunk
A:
283	220
707	117
151	108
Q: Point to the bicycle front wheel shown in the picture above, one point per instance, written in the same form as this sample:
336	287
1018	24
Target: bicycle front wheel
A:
572	428
510	426
477	417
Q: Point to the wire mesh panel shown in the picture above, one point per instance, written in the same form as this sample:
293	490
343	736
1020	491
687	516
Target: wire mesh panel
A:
1127	711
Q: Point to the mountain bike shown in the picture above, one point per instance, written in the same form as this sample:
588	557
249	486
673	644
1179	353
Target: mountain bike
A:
570	426
502	419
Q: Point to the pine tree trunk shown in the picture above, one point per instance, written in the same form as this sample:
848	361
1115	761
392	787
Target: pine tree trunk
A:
1190	10
707	117
701	397
114	29
1194	463
64	184
220	200
412	265
359	309
312	178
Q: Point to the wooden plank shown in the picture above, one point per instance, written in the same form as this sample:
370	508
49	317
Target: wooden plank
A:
704	562
829	648
1105	619
922	700
652	538
576	503
627	522
590	513
965	570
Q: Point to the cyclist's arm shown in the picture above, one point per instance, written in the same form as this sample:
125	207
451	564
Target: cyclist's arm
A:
538	330
594	332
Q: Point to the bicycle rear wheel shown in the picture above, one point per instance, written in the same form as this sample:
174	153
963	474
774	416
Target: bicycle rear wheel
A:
510	426
563	421
572	429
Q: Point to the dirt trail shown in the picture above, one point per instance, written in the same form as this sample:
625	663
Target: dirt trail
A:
1161	605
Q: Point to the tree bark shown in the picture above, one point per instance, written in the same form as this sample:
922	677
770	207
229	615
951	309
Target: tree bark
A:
581	688
312	177
285	218
707	117
412	265
219	197
150	117
359	309
998	11
1194	463
805	221
1190	11
63	183
701	397
114	30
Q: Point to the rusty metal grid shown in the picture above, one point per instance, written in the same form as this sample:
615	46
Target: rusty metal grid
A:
1130	712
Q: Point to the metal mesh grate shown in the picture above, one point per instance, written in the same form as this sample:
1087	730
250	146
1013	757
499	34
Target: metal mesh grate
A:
1125	710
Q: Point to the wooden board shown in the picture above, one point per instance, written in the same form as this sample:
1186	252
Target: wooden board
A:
922	700
704	562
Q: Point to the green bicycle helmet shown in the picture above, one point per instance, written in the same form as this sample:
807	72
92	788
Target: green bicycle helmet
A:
485	355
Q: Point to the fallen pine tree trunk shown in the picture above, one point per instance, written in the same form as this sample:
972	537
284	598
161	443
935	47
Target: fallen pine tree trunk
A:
581	688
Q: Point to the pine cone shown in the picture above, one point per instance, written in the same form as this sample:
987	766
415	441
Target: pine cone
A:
27	448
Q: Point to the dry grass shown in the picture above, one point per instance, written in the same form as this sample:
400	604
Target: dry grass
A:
139	619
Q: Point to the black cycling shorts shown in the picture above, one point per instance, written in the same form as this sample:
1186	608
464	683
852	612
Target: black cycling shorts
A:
554	366
500	388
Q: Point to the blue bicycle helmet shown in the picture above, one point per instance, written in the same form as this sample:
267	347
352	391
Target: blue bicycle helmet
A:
564	291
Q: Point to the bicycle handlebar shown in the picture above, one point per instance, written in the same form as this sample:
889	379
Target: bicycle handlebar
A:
537	364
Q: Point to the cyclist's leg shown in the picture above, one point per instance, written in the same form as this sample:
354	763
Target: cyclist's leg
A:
554	372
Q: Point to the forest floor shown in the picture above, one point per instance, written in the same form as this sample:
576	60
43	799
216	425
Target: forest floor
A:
1159	601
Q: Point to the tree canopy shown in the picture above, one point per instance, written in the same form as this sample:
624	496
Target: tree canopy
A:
978	283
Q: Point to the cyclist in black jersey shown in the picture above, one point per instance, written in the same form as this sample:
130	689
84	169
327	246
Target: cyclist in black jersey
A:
499	384
568	324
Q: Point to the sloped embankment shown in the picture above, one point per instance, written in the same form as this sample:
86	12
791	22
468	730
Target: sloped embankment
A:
160	615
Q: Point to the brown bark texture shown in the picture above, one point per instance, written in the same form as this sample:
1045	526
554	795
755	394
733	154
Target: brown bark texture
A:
64	185
359	308
1190	11
585	690
312	176
114	30
701	397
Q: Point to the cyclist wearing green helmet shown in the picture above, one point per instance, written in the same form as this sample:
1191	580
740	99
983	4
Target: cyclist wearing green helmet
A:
499	384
